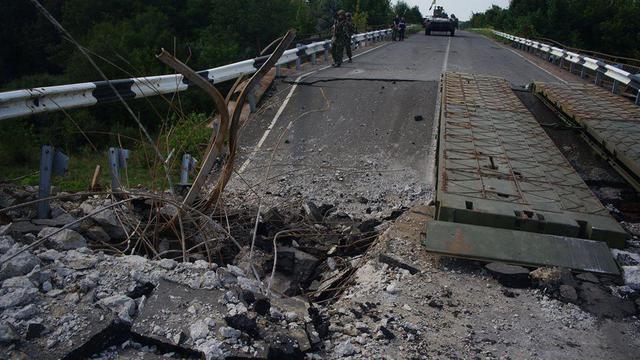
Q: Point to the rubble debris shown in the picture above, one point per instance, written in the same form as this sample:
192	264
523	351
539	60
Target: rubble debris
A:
597	300
122	305
20	264
345	349
631	275
65	239
398	263
89	302
509	275
568	293
7	333
588	277
626	258
550	278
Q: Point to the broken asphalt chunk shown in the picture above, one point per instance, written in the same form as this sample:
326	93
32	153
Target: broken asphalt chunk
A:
509	275
398	263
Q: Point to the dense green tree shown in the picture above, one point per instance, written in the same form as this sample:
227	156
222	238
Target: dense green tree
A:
411	15
608	26
123	37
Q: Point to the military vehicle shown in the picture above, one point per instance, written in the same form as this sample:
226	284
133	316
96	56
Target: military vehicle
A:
440	21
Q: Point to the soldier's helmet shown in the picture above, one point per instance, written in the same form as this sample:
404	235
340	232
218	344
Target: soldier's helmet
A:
348	15
340	13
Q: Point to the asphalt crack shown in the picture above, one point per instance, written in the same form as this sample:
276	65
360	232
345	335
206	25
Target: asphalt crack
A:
327	80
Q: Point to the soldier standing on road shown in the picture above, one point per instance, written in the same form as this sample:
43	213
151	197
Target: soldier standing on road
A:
402	26
396	27
339	39
352	30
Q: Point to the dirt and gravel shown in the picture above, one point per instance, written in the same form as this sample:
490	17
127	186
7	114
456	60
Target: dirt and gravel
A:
369	292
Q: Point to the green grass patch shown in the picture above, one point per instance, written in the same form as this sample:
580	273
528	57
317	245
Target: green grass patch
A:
20	161
82	167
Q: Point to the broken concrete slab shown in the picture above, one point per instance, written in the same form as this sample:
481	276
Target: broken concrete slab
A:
78	333
171	310
198	319
65	239
23	227
20	264
123	306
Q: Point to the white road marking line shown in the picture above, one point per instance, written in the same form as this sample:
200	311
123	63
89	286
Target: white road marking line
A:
446	56
284	105
273	122
534	64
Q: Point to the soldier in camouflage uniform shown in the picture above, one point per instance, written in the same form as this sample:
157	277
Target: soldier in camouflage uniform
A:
352	31
340	38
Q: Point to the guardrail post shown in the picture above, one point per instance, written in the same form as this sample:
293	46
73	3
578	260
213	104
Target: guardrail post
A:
638	98
572	68
313	58
615	88
299	59
52	162
583	72
562	62
278	71
599	77
117	161
326	47
187	167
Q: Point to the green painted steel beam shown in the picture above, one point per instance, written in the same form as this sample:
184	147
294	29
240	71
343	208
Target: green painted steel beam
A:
518	247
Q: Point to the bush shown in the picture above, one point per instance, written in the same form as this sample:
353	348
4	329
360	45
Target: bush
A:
19	142
189	135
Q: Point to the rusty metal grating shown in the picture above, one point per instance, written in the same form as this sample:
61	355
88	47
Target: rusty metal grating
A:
612	121
497	167
587	101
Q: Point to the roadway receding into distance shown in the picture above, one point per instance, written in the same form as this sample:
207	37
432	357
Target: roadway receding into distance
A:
365	129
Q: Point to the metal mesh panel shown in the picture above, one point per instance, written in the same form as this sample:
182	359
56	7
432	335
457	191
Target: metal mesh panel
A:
494	149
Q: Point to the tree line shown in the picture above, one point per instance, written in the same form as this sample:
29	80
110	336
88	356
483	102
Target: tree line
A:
608	26
124	35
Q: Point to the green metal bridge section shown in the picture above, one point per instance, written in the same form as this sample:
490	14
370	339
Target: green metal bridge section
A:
611	122
501	175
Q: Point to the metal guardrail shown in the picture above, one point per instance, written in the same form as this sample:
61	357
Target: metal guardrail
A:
53	98
601	68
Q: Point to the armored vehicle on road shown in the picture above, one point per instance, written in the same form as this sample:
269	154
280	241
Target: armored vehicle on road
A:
440	21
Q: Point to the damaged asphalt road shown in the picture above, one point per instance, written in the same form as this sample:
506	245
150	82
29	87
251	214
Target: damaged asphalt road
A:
342	134
334	175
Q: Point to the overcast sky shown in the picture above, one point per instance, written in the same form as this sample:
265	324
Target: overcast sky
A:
461	8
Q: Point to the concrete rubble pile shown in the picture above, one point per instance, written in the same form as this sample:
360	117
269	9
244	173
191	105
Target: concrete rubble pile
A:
70	297
340	286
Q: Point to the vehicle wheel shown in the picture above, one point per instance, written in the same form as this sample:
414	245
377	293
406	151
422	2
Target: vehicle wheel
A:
453	33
